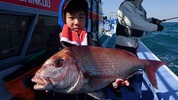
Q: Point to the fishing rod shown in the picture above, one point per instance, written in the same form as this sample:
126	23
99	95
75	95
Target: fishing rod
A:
168	19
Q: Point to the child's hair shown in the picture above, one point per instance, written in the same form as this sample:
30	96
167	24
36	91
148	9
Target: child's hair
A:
72	6
76	6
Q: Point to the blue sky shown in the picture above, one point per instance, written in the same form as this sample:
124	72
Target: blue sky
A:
161	9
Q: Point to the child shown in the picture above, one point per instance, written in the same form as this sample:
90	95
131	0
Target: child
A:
73	18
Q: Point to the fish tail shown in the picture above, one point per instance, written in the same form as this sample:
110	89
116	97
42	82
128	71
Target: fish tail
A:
152	67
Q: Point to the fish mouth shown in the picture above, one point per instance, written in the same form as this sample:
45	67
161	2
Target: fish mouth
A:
38	80
41	84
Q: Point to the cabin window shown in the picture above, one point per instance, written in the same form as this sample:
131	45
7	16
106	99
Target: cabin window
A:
13	29
44	26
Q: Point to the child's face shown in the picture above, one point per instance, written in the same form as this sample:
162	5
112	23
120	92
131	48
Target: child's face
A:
76	21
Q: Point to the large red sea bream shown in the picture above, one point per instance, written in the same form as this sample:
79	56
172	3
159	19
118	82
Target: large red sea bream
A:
80	69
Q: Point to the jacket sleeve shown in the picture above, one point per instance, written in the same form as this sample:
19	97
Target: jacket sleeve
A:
135	18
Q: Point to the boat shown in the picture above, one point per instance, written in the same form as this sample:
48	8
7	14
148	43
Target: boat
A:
21	25
167	81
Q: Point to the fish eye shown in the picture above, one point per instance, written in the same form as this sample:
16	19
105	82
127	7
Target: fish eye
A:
58	62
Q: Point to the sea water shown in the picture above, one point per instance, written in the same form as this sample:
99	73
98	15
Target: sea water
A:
164	44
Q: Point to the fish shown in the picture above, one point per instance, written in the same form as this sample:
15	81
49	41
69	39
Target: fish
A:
85	69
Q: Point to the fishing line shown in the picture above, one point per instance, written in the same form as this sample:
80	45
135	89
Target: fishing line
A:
169	19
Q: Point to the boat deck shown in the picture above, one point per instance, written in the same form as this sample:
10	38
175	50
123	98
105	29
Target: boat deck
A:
167	81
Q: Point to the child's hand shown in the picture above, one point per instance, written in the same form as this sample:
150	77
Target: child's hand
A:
120	82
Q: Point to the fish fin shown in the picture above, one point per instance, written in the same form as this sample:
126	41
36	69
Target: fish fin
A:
151	69
98	95
99	79
97	82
